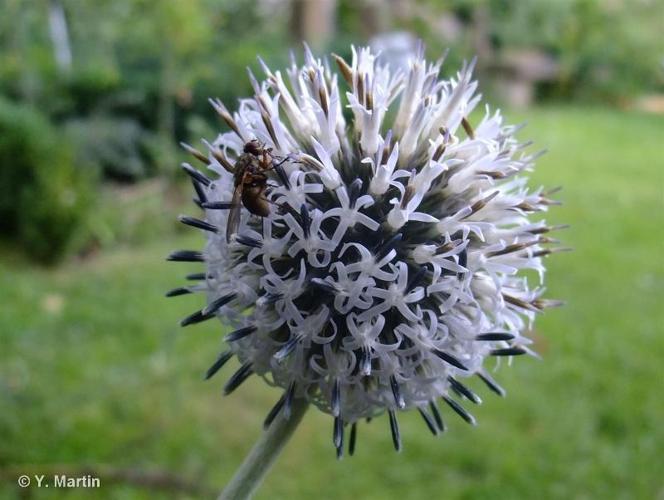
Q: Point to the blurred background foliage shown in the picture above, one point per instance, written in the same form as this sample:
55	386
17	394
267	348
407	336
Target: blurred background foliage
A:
113	86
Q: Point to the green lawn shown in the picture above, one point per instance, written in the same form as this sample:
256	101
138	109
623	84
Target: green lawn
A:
94	370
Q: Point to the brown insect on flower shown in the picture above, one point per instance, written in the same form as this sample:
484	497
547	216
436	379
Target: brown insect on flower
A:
250	183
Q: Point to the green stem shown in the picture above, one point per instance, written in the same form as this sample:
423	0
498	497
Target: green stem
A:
261	457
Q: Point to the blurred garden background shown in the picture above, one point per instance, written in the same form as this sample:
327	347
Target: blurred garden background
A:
95	374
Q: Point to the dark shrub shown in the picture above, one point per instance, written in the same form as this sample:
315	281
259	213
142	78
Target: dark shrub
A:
43	197
118	148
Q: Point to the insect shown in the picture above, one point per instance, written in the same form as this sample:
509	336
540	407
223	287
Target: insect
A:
250	182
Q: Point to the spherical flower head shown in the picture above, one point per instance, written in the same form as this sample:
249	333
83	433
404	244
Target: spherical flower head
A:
387	263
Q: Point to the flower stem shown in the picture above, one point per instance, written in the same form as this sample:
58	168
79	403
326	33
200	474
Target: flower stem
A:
261	457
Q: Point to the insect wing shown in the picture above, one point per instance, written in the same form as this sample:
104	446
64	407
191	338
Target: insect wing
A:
234	214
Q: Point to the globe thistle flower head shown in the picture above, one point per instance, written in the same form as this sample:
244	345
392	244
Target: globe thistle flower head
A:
389	267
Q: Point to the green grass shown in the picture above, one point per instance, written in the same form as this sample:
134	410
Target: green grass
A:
95	370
